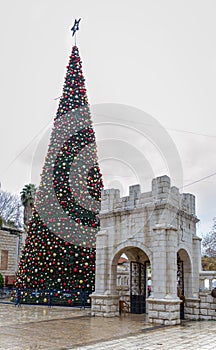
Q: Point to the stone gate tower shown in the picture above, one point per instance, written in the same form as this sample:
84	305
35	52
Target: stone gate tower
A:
157	231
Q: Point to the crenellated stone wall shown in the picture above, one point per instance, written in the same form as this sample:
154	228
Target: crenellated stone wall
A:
151	227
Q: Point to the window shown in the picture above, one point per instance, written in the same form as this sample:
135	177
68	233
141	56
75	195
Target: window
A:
4	260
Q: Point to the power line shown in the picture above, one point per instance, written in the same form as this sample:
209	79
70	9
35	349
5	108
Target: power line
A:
191	132
176	130
143	123
199	180
191	183
25	148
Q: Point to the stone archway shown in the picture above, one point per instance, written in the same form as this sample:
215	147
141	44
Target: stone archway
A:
137	275
187	274
153	226
184	278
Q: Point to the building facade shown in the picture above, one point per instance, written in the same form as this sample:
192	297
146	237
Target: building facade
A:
10	245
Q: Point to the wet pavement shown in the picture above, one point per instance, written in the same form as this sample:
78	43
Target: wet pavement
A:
64	328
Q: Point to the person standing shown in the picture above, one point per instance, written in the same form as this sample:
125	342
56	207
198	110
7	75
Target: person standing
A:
50	298
19	297
83	299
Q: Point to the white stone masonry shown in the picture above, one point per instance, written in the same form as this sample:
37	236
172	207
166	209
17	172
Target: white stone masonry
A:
151	227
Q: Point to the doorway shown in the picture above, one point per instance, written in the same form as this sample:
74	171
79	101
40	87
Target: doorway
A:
138	287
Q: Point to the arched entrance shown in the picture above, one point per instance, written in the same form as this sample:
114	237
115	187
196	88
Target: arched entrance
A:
184	278
150	228
135	291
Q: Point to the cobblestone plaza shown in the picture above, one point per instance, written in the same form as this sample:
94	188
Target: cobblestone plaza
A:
64	328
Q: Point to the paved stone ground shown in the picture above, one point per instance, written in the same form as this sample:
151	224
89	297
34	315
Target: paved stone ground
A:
60	328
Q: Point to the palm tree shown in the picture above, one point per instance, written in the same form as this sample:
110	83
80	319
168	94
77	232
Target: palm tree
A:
28	197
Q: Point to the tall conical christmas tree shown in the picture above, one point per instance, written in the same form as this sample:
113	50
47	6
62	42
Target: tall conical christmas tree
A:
59	252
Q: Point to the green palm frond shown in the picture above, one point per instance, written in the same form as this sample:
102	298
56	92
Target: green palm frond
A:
28	194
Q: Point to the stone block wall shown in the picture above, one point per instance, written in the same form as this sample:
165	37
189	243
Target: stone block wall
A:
105	305
161	192
9	250
203	308
164	312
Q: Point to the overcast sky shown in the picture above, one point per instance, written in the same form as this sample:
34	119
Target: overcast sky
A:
157	56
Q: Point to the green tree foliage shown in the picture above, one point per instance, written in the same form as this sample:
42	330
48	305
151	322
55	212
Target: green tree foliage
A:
208	264
28	197
59	251
1	281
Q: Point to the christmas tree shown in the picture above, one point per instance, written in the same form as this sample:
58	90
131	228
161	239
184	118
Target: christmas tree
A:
59	252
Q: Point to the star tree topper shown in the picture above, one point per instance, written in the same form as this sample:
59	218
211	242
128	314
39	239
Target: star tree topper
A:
75	26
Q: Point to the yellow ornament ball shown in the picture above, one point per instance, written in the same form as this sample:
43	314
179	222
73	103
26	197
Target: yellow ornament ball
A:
45	300
81	281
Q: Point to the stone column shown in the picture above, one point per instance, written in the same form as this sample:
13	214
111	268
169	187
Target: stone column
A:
101	266
171	262
196	266
159	261
105	305
164	311
164	305
103	302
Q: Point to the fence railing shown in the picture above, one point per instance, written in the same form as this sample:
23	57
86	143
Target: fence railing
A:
207	281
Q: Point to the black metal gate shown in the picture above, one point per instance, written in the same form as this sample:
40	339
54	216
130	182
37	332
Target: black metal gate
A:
137	287
180	284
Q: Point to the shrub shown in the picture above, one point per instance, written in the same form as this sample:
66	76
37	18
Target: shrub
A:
1	281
